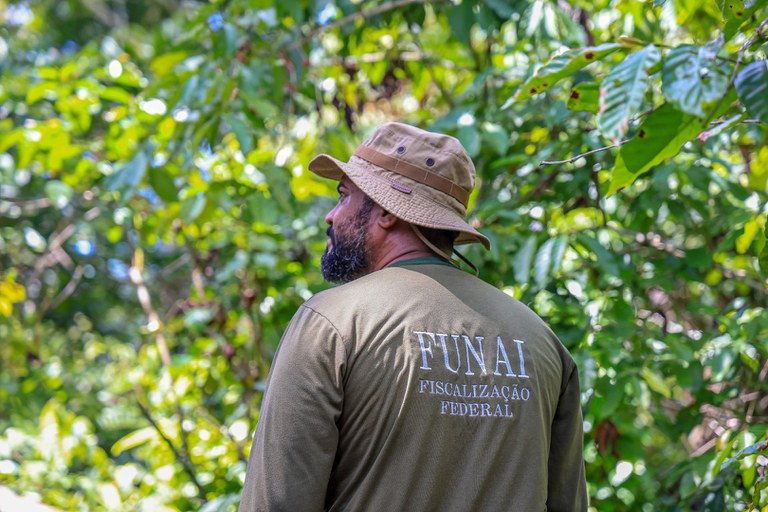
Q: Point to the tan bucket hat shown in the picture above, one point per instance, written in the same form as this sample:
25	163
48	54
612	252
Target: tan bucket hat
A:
421	177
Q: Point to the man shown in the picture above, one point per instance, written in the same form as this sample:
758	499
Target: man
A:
415	386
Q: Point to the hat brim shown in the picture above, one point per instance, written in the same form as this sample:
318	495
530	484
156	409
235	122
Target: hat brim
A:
386	189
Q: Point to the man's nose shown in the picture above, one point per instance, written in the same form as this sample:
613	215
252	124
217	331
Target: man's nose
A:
329	216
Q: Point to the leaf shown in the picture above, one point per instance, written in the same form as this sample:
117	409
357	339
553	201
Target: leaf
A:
496	137
163	184
192	207
164	64
622	91
752	89
59	193
127	178
736	12
522	263
502	8
543	263
693	79
461	18
661	136
585	97
720	128
242	132
606	259
761	446
656	382
116	94
558	68
763	256
744	241
40	91
548	259
470	139
132	440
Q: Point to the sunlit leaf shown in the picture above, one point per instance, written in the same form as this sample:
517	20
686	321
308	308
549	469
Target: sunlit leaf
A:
133	440
560	67
656	382
694	79
59	193
736	12
127	178
242	132
522	263
661	136
752	88
622	91
585	97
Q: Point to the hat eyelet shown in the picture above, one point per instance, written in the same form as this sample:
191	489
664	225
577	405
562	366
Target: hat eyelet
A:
400	150
430	162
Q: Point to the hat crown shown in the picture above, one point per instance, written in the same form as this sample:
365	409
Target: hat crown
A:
434	153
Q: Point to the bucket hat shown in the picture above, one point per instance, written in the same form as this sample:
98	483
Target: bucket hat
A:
421	177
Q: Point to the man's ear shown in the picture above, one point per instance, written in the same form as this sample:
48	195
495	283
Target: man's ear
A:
385	219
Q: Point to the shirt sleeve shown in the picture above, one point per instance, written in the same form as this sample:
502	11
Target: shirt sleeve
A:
567	485
295	442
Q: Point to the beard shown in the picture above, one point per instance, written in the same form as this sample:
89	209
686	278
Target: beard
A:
349	255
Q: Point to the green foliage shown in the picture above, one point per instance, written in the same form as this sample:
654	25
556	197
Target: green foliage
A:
158	227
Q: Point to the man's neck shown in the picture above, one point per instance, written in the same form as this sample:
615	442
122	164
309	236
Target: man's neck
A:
410	254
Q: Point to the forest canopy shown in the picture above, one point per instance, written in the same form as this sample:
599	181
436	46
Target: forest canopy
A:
159	227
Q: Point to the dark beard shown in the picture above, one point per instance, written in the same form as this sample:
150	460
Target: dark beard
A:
349	256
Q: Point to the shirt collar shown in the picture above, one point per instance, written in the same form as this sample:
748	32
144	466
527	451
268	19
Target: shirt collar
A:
424	260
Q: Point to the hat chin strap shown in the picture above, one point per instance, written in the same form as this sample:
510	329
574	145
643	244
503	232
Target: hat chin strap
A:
441	252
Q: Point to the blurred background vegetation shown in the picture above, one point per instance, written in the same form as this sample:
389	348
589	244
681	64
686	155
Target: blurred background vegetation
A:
158	227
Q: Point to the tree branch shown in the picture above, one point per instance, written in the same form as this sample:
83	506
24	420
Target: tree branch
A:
153	318
183	460
573	159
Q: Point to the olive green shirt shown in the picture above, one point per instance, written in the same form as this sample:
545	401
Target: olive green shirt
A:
418	388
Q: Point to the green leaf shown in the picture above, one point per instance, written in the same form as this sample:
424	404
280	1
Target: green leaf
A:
606	259
752	89
622	91
693	79
661	136
548	259
585	97
720	128
522	264
192	207
736	12
763	256
59	193
496	137
164	64
656	382
470	139
759	447
134	439
241	131
116	94
163	184
558	68
503	8
127	178
461	18
543	263
40	91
